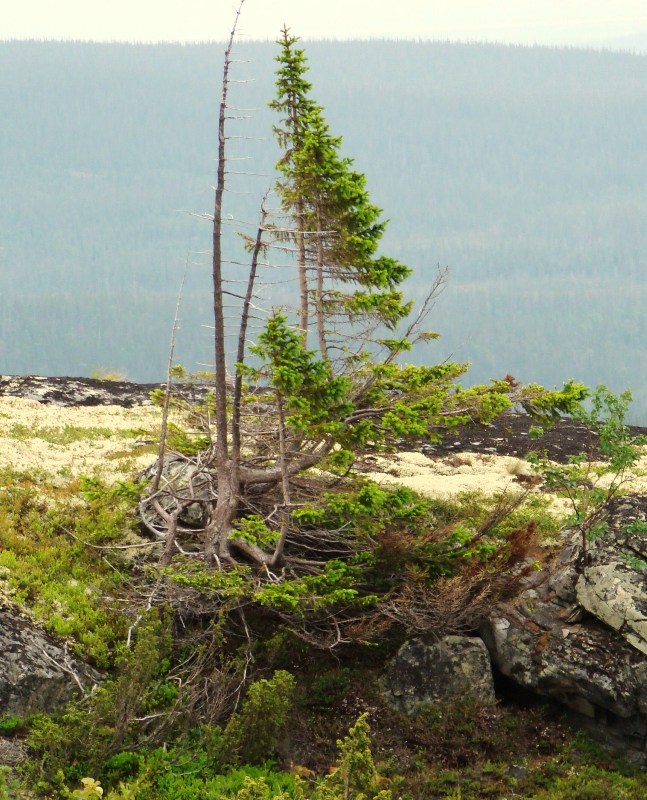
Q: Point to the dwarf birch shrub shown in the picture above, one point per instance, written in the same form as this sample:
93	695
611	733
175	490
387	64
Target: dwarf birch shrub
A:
593	477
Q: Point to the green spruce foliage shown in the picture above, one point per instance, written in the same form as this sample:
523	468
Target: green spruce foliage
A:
355	775
337	229
252	734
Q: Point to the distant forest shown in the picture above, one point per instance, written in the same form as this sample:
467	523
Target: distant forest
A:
523	170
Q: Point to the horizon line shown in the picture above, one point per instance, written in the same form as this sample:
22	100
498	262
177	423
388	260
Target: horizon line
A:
600	47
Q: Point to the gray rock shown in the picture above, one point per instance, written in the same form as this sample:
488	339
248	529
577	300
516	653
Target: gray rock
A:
578	634
36	674
425	672
76	391
186	484
613	584
91	391
580	664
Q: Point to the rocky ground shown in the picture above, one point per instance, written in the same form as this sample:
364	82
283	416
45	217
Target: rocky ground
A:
49	423
575	632
491	458
506	436
86	392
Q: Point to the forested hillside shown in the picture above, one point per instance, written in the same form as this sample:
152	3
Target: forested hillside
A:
521	169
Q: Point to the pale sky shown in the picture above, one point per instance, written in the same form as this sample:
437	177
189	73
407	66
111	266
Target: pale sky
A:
569	22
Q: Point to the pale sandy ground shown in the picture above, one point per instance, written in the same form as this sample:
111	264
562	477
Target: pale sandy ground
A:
469	472
25	426
111	456
457	474
447	477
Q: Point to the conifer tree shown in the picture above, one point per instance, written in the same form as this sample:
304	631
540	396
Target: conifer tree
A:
309	406
337	229
293	101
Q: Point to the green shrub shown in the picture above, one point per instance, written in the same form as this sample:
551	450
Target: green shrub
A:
10	725
161	777
89	735
121	766
90	790
47	566
593	783
252	782
586	485
10	788
355	775
328	689
253	733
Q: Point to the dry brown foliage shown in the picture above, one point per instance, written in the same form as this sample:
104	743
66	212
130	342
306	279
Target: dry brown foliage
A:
458	603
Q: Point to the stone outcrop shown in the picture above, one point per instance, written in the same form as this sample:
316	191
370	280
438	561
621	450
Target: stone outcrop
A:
36	674
76	391
427	671
90	391
509	434
613	584
577	633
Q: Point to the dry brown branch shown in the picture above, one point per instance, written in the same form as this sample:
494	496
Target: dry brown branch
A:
448	606
457	604
169	385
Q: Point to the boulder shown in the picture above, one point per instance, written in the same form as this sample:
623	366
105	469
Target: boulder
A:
36	674
613	584
186	482
576	633
426	671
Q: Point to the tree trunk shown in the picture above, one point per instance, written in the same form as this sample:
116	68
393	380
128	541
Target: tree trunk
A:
216	544
319	292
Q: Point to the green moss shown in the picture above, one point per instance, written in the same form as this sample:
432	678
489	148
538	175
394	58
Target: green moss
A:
68	434
10	725
49	563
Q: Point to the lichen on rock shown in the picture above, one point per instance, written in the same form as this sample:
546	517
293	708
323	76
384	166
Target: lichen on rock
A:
429	671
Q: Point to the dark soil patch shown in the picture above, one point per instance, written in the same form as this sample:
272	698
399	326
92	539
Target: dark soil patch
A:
90	391
509	435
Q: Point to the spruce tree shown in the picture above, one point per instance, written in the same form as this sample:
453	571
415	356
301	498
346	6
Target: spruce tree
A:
348	288
297	406
294	103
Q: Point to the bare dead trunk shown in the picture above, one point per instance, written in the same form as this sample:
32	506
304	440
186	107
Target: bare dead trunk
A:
319	292
216	540
169	543
302	270
284	514
171	520
299	209
218	531
217	277
242	337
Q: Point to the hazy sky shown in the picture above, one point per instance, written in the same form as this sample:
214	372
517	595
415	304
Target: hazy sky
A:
526	21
